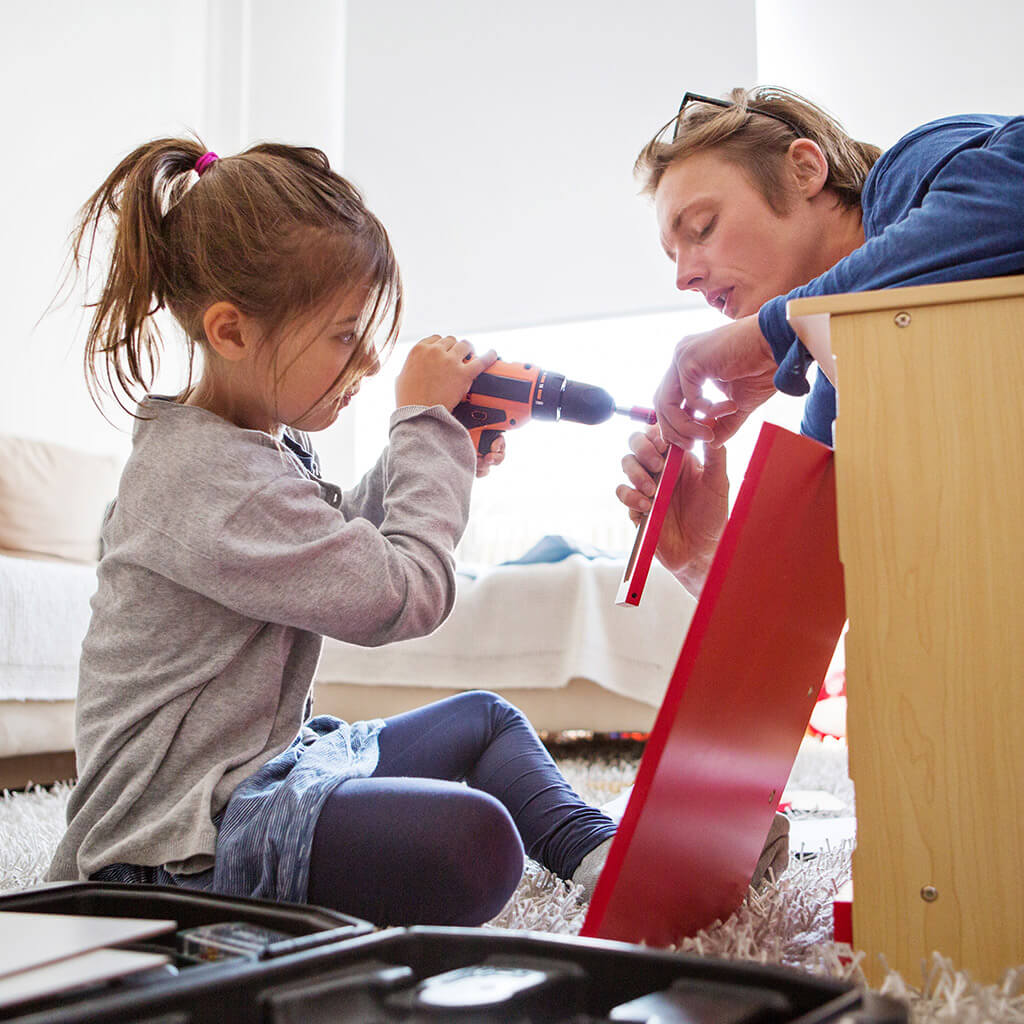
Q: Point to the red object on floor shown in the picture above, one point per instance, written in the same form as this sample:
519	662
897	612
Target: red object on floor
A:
842	915
828	718
737	706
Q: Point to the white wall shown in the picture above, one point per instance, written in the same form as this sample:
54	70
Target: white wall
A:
885	66
83	84
79	91
276	71
497	143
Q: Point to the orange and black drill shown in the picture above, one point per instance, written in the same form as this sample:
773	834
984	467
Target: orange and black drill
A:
507	395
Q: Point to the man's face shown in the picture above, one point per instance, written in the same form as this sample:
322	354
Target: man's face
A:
726	241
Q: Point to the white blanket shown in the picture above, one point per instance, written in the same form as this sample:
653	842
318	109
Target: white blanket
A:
513	626
536	625
44	613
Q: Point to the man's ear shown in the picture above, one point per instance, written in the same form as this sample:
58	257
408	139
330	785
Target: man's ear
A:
228	331
808	167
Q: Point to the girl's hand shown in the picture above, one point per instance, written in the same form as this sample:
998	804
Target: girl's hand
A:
495	457
737	359
439	371
697	513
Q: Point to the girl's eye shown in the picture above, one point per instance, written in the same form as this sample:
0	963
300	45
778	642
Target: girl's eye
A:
705	231
347	339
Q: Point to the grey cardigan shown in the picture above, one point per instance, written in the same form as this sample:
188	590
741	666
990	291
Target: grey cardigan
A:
225	563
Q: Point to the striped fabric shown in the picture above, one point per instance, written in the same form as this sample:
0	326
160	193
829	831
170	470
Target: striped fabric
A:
141	874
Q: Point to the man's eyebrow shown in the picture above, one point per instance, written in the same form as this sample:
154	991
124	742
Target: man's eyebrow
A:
678	216
689	207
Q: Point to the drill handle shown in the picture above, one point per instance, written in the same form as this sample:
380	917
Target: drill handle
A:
484	439
484	423
505	396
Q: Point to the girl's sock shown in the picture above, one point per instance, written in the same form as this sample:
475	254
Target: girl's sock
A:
589	869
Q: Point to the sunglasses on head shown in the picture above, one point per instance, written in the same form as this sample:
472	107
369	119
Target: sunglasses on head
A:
694	97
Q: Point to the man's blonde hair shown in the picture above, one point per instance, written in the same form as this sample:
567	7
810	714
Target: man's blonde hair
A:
741	134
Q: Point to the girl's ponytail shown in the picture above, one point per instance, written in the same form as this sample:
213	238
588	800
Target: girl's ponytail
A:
124	342
272	230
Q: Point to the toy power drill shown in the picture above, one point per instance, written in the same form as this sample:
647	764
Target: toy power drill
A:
508	395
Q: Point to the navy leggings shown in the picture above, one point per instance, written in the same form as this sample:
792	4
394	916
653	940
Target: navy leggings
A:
412	845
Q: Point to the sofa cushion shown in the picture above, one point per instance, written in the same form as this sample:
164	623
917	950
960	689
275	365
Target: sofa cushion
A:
52	499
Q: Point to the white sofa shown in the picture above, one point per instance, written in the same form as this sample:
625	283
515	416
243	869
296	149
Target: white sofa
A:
548	636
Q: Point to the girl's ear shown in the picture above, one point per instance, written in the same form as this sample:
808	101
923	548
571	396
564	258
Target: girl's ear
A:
808	167
227	331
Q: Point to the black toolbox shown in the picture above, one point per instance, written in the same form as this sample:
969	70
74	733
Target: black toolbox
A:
326	967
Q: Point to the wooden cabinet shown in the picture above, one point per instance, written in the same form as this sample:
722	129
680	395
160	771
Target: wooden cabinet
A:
929	457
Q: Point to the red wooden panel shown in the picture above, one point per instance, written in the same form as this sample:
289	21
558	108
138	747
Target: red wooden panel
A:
631	589
736	708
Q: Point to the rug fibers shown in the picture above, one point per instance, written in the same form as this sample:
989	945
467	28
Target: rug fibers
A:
788	922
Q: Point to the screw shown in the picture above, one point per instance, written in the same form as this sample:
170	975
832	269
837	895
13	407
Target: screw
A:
929	893
901	319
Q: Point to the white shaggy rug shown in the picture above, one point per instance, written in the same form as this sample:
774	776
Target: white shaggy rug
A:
788	922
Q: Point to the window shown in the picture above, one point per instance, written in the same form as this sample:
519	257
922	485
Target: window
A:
560	478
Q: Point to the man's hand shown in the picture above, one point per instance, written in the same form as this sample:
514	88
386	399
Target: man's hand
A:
736	358
697	513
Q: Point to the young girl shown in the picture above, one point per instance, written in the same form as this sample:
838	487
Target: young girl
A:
227	559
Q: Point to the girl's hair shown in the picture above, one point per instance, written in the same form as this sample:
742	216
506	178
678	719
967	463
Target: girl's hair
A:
741	133
272	230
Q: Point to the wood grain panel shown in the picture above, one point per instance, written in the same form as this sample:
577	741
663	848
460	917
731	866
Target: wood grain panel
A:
930	498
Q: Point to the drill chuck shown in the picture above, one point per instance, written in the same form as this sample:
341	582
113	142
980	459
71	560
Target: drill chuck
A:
561	399
585	403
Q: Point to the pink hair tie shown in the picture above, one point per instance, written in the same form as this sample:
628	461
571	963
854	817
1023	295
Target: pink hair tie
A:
204	161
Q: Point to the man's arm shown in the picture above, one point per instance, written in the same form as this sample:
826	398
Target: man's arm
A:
957	221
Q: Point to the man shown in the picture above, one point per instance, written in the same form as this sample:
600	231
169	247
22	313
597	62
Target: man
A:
765	198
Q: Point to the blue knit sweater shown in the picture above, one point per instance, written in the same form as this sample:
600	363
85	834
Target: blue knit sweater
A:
946	203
